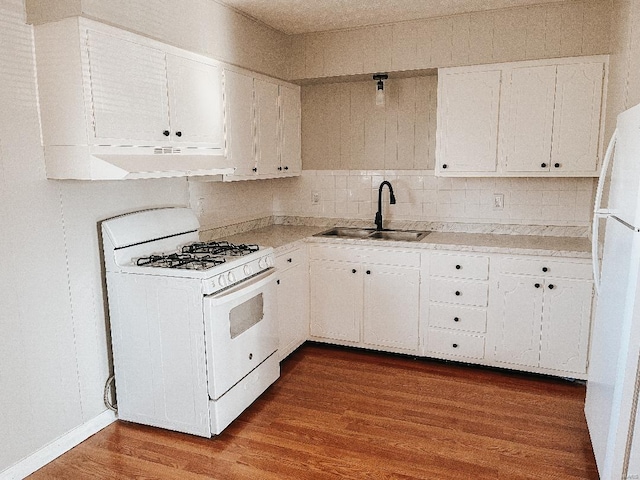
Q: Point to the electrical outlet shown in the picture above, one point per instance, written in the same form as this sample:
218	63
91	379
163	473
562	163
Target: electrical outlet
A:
498	201
315	198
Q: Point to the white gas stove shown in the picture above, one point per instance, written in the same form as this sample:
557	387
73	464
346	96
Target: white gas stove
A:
193	323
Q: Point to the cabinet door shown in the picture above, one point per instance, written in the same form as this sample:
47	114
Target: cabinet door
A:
336	294
267	117
526	119
391	307
576	125
293	309
195	93
129	93
468	122
565	325
240	128
515	313
290	160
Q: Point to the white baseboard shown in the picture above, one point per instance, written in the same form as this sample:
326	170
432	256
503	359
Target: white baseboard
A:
56	448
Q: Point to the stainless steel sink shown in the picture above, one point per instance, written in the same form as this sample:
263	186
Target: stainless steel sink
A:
370	233
399	235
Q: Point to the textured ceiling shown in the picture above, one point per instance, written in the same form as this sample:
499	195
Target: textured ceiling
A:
303	16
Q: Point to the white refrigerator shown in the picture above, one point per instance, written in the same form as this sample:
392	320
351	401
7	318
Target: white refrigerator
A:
613	380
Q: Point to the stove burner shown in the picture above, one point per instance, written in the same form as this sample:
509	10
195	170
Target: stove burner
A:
220	248
180	260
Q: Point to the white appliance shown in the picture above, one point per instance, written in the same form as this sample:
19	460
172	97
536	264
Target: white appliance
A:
613	380
193	325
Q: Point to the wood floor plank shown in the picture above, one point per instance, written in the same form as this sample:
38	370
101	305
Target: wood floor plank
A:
351	414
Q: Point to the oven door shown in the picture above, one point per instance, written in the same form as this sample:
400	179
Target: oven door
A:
241	330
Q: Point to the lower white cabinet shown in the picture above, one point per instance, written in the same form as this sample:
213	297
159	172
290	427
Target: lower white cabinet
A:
540	314
365	297
293	300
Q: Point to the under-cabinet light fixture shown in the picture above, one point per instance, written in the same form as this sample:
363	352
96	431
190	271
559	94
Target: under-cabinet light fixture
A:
380	77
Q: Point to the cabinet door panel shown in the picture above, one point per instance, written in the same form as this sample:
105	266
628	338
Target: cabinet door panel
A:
576	125
526	120
267	116
196	102
468	122
565	325
515	314
293	309
391	307
129	93
291	161
240	128
336	295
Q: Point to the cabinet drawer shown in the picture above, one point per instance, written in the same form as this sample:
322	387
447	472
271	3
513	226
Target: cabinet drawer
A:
372	256
459	292
455	343
459	266
545	268
458	318
290	259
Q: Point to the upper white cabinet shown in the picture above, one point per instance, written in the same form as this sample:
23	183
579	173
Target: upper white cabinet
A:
118	105
467	133
537	118
263	126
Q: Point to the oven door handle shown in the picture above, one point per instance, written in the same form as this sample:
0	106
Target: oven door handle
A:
243	288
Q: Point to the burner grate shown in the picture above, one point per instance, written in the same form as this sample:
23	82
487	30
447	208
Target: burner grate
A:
220	248
180	260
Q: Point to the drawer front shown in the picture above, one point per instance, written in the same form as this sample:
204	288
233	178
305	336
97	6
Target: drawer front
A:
542	267
459	266
459	292
458	318
373	256
455	343
290	259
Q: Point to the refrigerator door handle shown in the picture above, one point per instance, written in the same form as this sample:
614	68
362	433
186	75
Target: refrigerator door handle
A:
599	212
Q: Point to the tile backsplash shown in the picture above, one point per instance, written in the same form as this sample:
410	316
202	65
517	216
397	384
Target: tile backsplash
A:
422	196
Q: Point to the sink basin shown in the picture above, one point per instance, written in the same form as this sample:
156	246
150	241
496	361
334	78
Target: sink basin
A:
370	233
347	232
399	235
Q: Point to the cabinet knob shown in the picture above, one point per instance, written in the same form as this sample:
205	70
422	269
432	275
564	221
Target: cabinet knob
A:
166	133
557	165
178	134
455	345
456	319
458	267
368	272
458	293
286	168
551	286
250	356
353	271
279	169
278	281
545	269
537	285
289	260
254	169
444	165
543	165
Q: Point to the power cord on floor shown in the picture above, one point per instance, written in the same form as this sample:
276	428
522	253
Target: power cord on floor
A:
108	388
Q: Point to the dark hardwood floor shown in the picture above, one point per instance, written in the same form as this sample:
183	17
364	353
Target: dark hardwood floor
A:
340	413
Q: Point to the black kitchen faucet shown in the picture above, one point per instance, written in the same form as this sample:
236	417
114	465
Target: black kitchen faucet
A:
392	201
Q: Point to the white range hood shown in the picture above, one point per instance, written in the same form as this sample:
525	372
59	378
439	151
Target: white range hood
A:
133	162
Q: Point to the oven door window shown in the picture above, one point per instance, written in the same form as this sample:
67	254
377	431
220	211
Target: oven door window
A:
246	315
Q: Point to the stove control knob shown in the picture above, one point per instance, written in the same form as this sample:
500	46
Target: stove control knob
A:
248	271
231	277
222	281
262	264
269	261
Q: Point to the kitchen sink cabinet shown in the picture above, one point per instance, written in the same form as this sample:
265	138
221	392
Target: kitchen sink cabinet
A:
364	297
535	118
539	315
293	300
263	126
